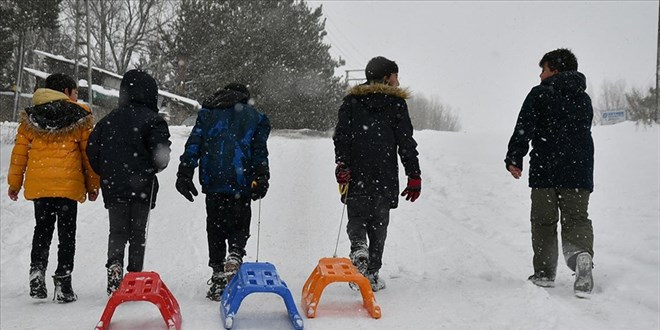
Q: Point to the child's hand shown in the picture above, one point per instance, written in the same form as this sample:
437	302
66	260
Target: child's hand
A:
13	195
515	171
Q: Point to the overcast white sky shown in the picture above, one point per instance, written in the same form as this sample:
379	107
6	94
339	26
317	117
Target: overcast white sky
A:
481	57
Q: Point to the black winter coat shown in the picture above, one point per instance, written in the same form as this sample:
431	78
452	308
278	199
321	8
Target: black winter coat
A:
556	116
131	144
374	125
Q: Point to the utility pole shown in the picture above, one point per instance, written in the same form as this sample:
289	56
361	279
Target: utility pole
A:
657	74
76	73
89	57
19	83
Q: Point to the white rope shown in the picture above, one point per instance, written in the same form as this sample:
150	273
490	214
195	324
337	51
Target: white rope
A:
341	220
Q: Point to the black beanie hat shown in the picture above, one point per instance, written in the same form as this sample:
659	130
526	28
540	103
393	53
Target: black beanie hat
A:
241	89
379	67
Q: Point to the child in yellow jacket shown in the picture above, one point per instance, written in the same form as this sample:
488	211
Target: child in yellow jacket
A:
49	161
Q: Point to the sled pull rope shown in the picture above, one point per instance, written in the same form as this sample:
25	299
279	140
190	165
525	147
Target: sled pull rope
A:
146	229
343	191
258	228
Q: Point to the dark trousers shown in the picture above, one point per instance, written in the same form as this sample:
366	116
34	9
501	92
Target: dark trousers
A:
576	231
368	217
47	211
128	223
227	227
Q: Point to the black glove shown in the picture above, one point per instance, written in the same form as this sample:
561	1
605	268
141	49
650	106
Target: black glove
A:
259	187
184	183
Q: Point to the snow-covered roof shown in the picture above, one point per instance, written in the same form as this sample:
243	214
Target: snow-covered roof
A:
101	89
37	73
64	59
180	98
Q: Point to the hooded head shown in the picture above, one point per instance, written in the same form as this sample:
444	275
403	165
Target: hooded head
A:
227	97
138	88
241	89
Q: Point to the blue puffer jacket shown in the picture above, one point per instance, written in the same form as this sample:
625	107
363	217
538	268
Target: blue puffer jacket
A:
228	142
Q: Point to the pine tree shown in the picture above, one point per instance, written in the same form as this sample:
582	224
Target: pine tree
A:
23	21
274	47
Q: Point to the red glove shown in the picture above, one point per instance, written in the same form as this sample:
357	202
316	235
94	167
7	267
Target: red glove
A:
342	173
414	188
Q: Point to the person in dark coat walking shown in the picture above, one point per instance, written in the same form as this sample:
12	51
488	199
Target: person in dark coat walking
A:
228	143
373	127
556	117
127	148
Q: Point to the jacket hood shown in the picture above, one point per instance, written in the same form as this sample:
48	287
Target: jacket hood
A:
571	82
45	95
224	98
376	97
138	88
55	117
366	89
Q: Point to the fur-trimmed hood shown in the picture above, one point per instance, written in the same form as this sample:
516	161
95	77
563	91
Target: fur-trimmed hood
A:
46	95
53	113
378	97
365	89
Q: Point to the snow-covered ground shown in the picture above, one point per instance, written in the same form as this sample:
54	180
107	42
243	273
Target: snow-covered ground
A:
458	258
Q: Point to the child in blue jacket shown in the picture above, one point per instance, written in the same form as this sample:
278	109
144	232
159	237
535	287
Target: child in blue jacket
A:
228	143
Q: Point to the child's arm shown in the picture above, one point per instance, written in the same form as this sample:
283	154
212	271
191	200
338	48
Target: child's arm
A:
159	143
92	180
259	147
18	162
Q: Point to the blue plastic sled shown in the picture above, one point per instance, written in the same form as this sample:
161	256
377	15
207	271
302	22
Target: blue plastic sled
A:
256	277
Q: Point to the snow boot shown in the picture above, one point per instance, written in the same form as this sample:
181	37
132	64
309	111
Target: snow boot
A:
115	275
232	265
63	290
218	282
541	279
377	283
38	283
360	259
584	281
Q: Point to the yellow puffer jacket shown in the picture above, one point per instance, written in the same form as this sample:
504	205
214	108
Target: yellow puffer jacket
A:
49	151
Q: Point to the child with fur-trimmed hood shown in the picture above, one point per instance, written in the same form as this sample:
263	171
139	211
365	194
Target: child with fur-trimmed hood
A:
374	126
49	161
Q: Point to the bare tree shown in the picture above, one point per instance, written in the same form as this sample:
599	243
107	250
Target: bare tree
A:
642	106
432	114
122	30
612	97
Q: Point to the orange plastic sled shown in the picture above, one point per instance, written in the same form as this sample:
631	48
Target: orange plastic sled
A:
143	286
331	270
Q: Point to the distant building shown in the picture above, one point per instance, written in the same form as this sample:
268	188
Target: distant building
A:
105	87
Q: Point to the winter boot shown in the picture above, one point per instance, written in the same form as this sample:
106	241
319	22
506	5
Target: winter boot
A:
360	259
63	290
38	283
584	281
377	283
218	282
232	265
115	275
541	279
